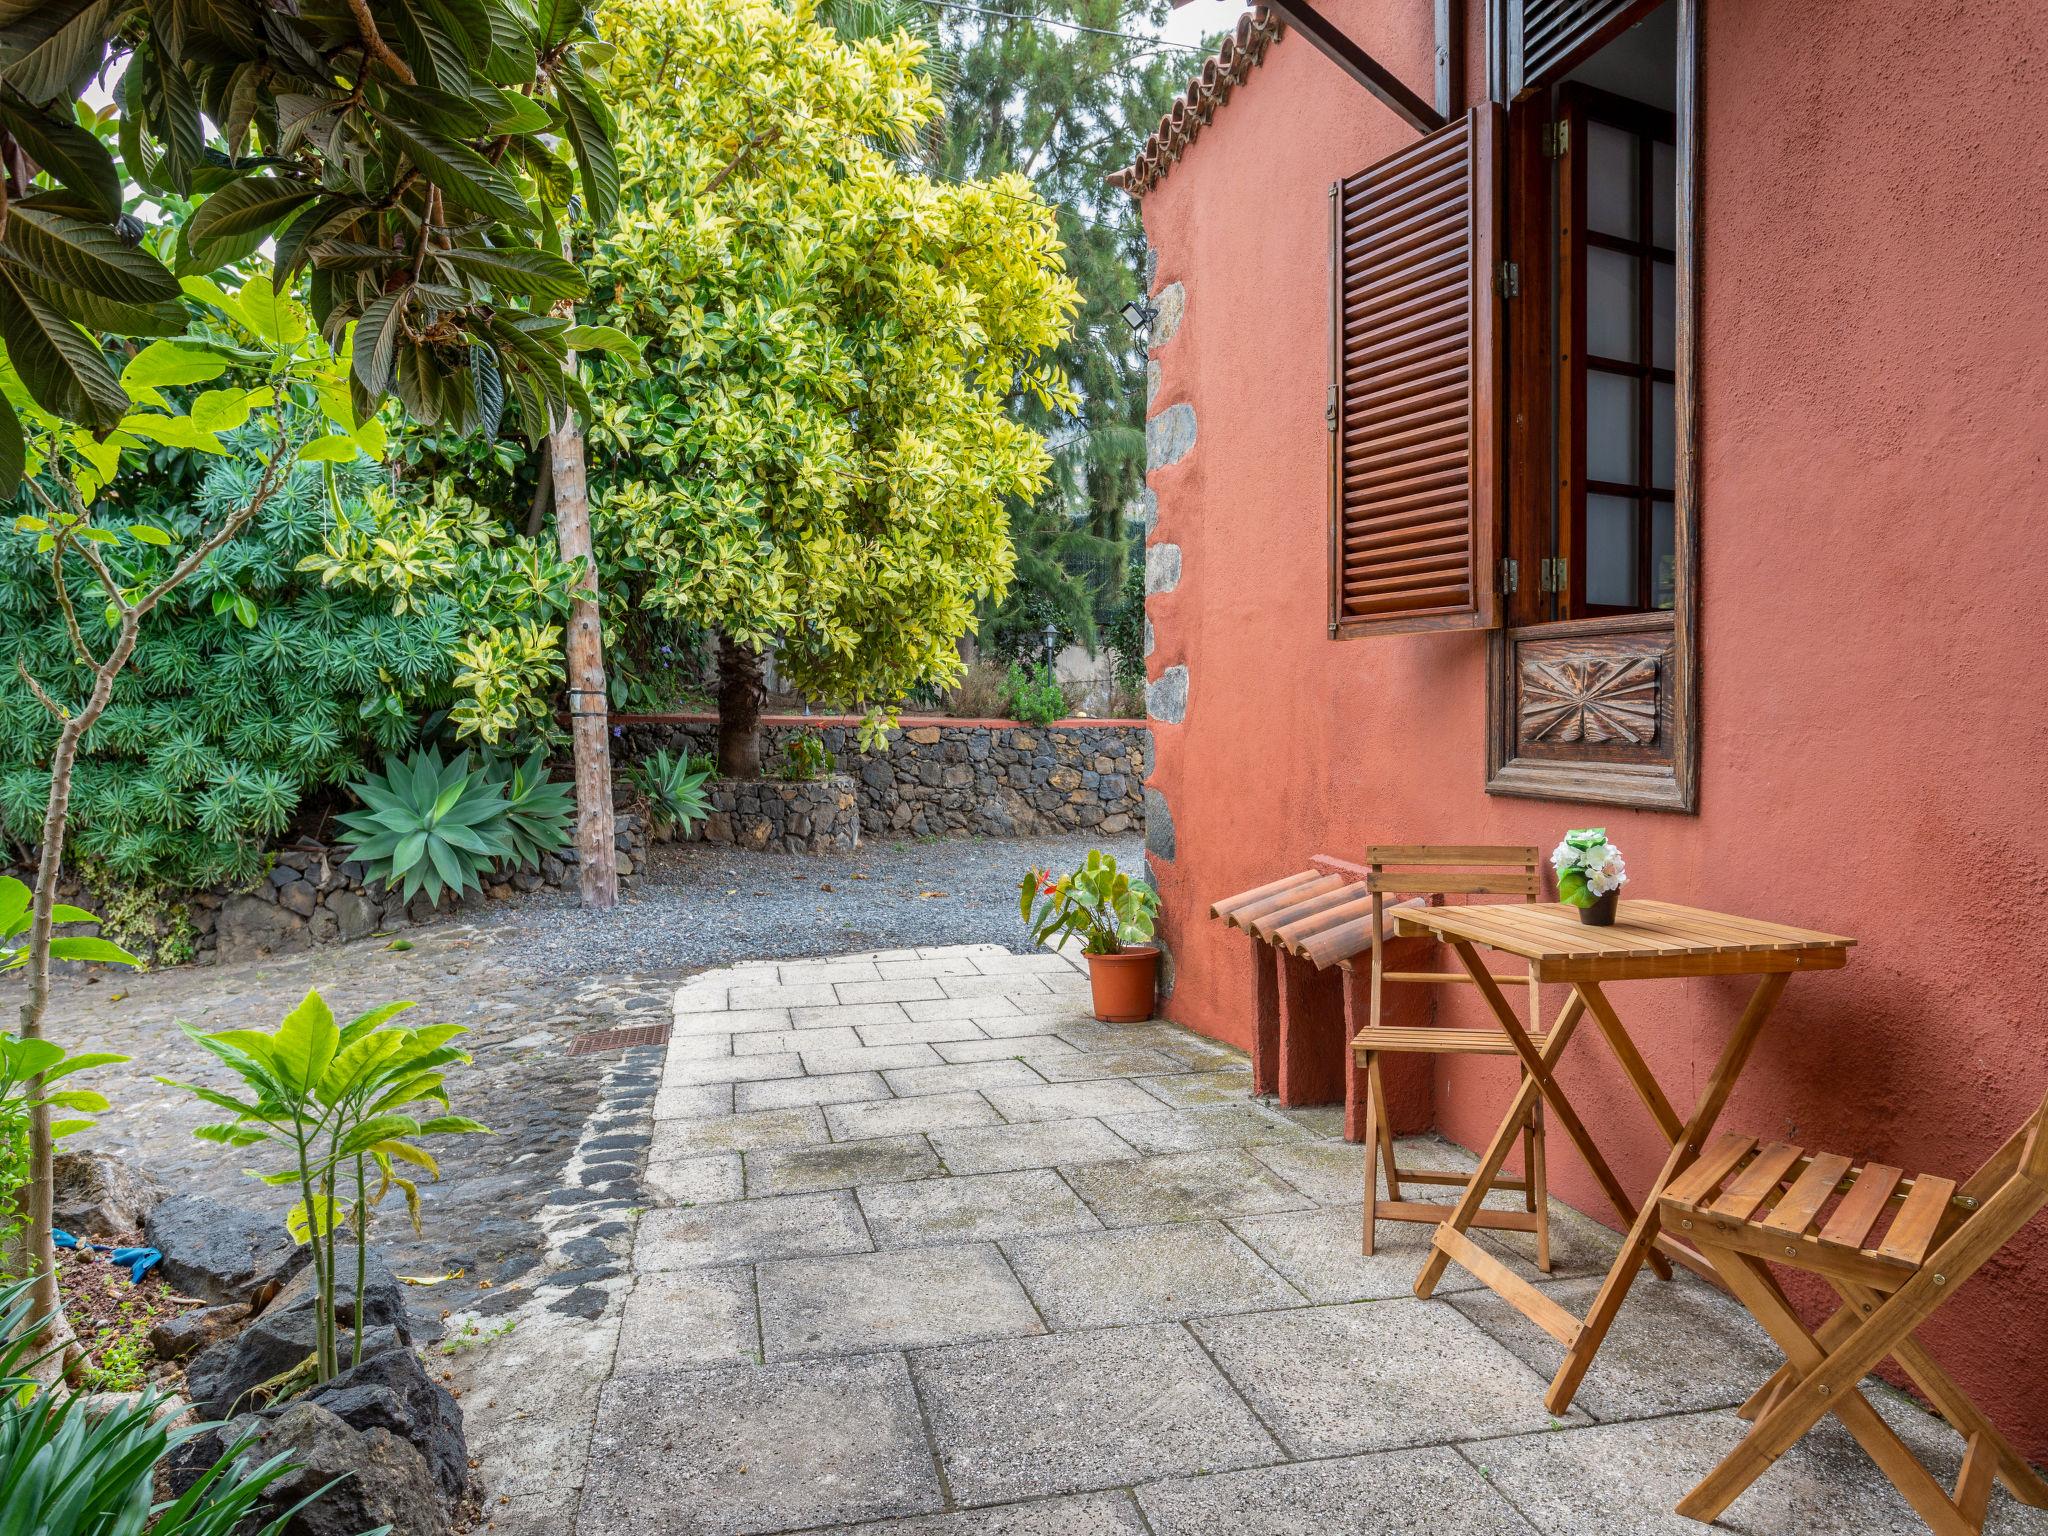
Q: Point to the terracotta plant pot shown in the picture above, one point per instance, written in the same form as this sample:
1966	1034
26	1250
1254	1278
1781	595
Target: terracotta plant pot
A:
1601	913
1123	984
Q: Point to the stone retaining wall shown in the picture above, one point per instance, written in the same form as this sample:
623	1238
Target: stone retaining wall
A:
778	816
956	778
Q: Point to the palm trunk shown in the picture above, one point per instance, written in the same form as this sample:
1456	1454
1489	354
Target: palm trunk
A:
740	692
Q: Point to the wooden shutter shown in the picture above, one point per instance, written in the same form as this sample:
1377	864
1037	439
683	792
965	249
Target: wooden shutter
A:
1547	39
1415	439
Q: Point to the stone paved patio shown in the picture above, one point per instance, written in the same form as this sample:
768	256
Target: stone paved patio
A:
930	1252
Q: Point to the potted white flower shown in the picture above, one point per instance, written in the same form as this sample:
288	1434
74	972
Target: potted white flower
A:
1590	874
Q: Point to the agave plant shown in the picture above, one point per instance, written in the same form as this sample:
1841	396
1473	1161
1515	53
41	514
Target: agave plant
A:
674	786
428	825
68	1472
340	1100
539	811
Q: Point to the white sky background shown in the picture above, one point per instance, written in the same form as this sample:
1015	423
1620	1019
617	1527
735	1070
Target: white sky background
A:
1199	19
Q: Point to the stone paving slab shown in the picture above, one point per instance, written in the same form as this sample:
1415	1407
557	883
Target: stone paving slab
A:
1395	1493
1145	1275
747	1131
748	1230
1213	1125
958	1077
1317	1251
1726	1354
1036	1144
1182	1186
898	1299
909	1115
755	1449
974	1207
1060	1101
1087	1514
840	1165
1075	1411
682	1318
833	1088
1627	1477
1374	1375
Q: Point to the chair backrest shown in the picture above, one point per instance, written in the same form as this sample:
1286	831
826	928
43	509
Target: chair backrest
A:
1434	871
1413	869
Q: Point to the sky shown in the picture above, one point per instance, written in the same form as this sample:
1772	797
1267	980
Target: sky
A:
1200	18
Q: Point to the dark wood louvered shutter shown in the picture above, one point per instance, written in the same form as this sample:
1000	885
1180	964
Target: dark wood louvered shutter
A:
1547	39
1415	439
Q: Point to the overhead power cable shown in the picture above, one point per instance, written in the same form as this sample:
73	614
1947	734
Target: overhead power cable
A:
1071	26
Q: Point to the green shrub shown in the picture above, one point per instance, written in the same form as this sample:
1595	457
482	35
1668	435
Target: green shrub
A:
804	758
674	786
540	813
288	661
1035	697
1123	634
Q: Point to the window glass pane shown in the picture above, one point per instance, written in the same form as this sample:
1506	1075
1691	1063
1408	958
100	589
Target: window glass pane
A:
1664	196
1610	427
1663	313
1611	180
1611	551
1663	554
1611	317
1663	426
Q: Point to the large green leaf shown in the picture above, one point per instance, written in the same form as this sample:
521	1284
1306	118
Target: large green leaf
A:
589	125
464	177
73	155
164	363
54	50
13	450
110	317
305	1043
520	269
92	257
60	365
377	336
239	217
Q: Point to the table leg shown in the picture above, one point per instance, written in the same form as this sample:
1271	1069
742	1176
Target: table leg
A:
1496	1154
1546	1084
1639	1245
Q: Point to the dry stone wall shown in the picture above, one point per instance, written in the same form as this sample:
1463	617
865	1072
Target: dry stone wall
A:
959	778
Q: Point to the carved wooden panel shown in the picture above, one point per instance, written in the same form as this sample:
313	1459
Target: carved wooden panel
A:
1581	697
1587	710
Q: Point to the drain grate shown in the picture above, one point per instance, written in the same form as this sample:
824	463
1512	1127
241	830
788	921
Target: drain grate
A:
619	1039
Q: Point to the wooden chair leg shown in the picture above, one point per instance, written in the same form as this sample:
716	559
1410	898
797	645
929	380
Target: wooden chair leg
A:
1755	1289
1539	1186
1377	1086
1374	1112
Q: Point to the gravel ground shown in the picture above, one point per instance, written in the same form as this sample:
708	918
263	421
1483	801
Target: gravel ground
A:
704	905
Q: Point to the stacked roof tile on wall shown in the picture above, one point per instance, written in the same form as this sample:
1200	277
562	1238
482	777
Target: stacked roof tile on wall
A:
1241	52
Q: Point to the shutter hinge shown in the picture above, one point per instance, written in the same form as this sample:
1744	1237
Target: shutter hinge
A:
1330	410
1557	139
1550	575
1510	577
1509	280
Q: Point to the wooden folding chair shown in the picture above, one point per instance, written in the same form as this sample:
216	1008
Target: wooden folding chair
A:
1744	1204
1434	873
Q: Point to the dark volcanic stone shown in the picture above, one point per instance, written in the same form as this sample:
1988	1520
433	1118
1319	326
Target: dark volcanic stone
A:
392	1391
219	1252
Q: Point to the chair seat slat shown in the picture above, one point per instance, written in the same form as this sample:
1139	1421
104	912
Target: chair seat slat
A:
1756	1183
1483	1042
1712	1166
1912	1230
1809	1192
1861	1207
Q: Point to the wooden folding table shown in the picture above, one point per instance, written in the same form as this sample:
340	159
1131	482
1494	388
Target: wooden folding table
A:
1650	940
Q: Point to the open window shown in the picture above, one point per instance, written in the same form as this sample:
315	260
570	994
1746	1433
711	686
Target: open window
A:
1594	677
1511	397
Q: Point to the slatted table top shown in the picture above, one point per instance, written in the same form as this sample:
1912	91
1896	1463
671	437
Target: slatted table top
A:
1649	939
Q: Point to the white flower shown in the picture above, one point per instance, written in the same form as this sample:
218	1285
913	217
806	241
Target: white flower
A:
1564	856
1608	874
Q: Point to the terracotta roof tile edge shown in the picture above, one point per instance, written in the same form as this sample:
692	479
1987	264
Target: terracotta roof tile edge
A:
1240	53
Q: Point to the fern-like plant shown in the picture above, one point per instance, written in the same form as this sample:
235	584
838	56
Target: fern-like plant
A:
429	825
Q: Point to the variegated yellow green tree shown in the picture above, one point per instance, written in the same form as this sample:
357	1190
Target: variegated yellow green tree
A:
820	456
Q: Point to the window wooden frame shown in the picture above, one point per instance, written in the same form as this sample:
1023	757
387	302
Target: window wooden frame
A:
1593	653
1581	106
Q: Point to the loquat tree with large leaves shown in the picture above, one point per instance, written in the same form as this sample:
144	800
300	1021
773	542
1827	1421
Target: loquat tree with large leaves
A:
819	457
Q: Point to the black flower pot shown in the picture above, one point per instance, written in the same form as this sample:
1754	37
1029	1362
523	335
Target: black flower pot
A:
1601	913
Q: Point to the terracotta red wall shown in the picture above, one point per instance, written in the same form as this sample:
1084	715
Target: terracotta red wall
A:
1874	411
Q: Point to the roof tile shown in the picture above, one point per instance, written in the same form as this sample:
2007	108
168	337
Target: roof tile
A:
1241	52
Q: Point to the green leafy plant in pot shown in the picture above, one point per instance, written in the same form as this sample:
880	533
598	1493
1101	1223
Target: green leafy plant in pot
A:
1112	915
1590	875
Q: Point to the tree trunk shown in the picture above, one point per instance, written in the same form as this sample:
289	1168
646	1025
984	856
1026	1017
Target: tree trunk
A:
596	853
740	692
